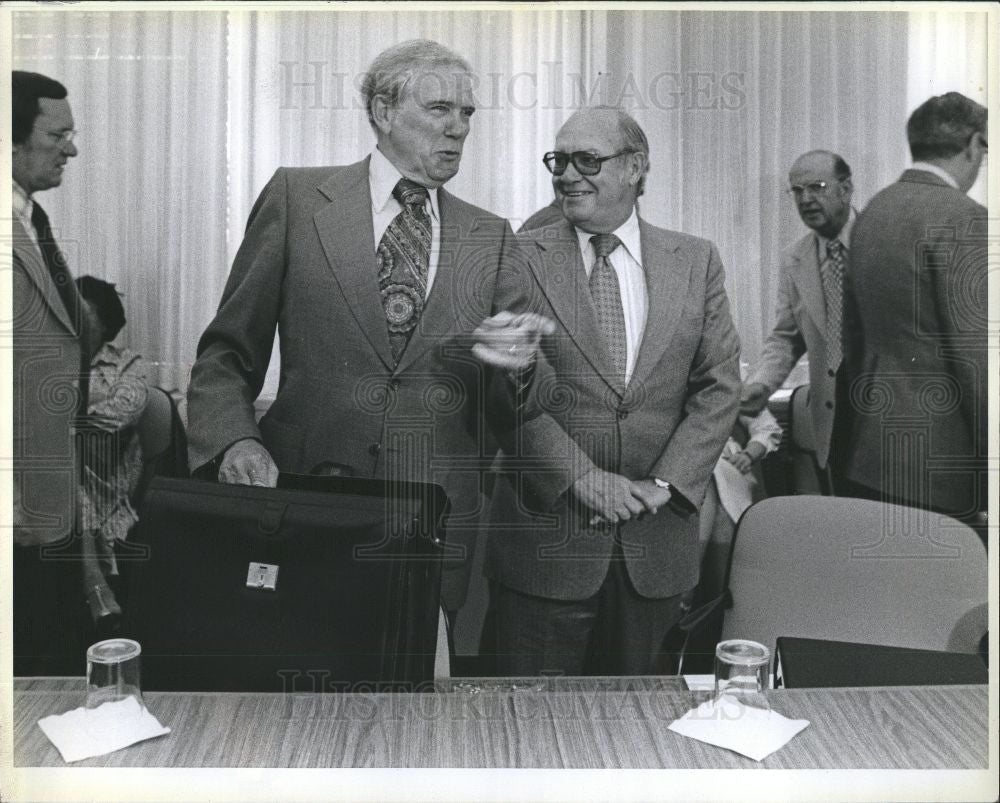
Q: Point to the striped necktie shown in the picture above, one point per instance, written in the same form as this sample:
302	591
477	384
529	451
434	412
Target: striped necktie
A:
833	292
605	291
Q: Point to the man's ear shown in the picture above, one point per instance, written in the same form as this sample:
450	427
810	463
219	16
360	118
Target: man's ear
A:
637	167
976	146
847	186
382	114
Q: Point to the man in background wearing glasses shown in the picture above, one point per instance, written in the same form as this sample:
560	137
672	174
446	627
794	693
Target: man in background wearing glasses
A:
53	339
810	308
919	273
594	536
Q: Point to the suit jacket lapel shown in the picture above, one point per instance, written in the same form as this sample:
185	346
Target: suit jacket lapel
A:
345	231
667	277
810	284
444	302
558	266
34	266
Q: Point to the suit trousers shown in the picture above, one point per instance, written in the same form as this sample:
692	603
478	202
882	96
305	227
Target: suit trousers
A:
615	632
51	625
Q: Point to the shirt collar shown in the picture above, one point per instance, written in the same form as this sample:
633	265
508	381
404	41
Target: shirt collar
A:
940	172
627	232
844	235
383	176
21	202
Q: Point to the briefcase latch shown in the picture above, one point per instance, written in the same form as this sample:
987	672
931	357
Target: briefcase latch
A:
263	576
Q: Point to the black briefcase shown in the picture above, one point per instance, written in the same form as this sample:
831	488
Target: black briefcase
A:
331	585
804	663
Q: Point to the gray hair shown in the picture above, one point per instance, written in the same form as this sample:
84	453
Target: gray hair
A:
633	139
392	69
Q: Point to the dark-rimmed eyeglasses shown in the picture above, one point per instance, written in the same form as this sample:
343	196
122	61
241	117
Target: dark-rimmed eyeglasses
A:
586	164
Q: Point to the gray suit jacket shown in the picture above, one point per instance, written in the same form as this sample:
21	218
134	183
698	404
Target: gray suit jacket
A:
800	327
919	271
49	349
307	267
670	422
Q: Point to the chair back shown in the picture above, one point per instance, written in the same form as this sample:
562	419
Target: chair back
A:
163	442
808	477
154	425
858	571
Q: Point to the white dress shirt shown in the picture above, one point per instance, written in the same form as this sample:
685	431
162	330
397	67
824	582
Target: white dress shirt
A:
382	179
24	207
627	262
940	172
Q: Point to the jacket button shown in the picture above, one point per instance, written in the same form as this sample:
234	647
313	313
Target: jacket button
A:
829	405
830	372
374	449
622	415
395	384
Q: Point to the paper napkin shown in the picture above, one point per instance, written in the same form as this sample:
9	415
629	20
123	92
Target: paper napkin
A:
85	733
751	731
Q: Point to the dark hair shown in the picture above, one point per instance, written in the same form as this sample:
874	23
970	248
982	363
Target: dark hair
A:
104	298
942	126
26	89
841	169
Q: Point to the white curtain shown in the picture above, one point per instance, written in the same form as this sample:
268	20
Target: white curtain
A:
729	99
144	204
936	37
185	114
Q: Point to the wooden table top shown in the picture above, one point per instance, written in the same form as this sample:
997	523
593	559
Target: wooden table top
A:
616	723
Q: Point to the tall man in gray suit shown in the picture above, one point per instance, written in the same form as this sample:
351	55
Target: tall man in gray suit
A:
919	274
810	308
594	532
52	343
375	277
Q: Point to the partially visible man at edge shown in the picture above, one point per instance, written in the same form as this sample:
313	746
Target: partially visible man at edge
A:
919	274
53	339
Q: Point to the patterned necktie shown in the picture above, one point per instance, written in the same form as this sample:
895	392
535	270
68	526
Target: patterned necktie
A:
833	291
403	257
605	291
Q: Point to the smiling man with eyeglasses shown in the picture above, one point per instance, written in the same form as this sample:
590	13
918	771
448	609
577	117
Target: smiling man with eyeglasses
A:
810	308
595	542
53	340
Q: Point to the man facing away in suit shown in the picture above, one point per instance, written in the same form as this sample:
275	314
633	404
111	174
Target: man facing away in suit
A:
593	537
919	274
810	308
375	278
52	347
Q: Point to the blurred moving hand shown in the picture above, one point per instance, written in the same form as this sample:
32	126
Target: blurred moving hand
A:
510	341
